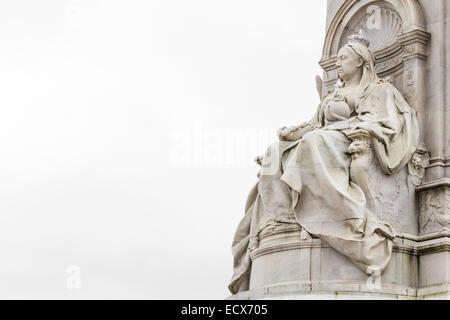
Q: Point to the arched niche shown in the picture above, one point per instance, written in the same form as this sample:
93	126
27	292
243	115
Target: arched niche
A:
409	11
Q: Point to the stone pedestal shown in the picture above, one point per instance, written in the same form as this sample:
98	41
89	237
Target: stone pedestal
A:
288	266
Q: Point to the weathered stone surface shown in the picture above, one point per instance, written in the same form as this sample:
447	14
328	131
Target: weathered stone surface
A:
290	257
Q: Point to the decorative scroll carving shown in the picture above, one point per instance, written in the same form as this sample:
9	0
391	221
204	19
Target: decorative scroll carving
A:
415	48
391	63
418	164
409	90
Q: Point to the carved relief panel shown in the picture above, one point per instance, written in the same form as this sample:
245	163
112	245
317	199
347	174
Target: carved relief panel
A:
435	210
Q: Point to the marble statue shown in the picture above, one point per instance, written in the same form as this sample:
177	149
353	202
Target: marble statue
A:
306	176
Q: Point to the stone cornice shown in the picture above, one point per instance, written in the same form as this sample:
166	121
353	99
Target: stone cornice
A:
438	162
328	64
405	243
434	184
425	237
293	245
414	36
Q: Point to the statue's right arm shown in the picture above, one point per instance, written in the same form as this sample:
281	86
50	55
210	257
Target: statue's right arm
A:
294	133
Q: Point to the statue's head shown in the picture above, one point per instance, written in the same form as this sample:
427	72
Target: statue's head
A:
355	58
349	63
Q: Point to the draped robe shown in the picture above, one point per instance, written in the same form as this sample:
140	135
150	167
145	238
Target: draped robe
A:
310	179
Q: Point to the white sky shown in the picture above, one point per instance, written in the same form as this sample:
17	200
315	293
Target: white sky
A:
112	115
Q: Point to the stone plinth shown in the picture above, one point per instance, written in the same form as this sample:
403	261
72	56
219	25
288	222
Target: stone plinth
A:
288	266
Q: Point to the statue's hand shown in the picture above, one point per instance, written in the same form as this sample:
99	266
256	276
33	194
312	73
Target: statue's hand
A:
304	125
291	133
285	132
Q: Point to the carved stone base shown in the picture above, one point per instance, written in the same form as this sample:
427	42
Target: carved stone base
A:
318	291
286	267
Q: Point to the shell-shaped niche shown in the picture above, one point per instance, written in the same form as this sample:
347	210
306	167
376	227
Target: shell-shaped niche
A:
380	26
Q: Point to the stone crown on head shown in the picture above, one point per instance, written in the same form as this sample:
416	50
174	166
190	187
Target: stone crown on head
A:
359	38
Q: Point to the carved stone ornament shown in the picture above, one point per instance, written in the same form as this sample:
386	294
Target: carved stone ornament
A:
418	163
435	210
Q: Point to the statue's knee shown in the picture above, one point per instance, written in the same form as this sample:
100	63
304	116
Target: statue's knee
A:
310	137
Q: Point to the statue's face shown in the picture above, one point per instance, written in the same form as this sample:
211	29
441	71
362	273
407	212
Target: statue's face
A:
348	63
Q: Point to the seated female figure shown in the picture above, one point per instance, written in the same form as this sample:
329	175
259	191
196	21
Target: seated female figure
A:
306	174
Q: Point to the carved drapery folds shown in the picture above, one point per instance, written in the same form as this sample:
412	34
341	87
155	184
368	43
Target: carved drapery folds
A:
396	31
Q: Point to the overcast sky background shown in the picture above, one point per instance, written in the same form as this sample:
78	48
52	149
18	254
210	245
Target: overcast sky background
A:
128	130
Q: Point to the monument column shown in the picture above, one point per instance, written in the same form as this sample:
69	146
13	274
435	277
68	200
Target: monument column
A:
436	132
434	193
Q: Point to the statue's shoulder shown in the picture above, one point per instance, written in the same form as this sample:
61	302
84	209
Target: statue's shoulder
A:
383	86
382	89
383	83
